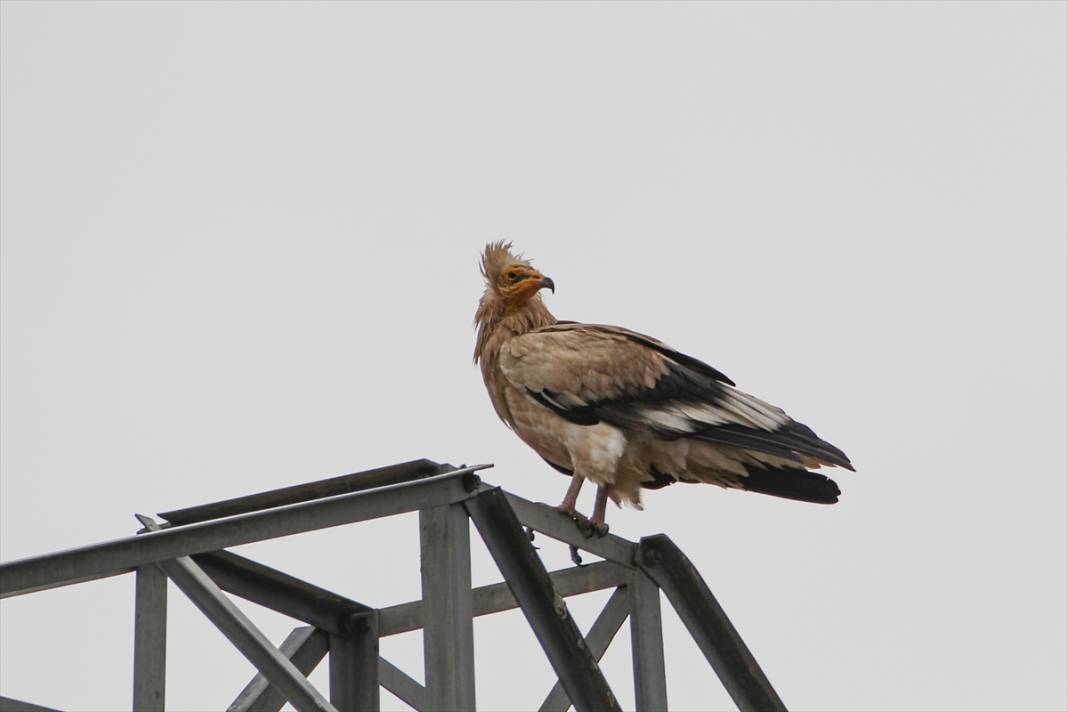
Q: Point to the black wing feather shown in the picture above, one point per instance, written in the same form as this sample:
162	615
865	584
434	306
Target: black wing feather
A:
690	381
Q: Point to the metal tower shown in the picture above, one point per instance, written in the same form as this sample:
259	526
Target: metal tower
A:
190	550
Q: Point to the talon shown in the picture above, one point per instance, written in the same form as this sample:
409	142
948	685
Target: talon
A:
530	533
601	529
575	555
583	524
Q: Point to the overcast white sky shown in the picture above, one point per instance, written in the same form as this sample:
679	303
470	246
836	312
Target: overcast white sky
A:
239	251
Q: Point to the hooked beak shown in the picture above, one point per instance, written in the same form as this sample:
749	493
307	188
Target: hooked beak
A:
547	283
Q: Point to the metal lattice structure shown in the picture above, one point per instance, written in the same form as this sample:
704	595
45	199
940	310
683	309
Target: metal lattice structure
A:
190	550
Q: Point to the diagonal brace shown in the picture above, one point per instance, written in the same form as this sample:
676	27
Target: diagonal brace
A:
724	649
245	636
281	592
306	647
546	612
603	630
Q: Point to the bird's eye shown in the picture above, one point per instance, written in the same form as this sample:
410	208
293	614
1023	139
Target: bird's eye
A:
514	276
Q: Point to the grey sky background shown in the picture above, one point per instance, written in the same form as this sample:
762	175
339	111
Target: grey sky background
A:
239	251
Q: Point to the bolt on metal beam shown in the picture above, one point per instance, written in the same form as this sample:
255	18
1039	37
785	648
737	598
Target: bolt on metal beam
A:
279	591
354	666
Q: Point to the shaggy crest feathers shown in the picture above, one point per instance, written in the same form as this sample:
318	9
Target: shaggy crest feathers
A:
496	257
493	313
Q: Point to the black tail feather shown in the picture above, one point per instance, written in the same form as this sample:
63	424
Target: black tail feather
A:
789	483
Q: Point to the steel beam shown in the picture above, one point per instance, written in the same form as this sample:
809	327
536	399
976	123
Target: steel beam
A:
401	684
708	624
497	597
448	632
150	640
546	612
558	525
647	644
354	666
10	704
603	630
245	636
123	555
305	647
356	482
280	592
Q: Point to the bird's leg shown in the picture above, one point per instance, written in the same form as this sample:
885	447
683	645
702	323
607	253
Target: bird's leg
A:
568	505
599	506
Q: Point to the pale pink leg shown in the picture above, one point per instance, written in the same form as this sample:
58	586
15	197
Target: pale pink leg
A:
568	505
599	506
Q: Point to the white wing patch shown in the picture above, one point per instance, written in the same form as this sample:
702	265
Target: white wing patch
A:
736	407
751	411
669	418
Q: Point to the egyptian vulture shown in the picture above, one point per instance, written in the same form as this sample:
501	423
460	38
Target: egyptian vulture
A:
627	411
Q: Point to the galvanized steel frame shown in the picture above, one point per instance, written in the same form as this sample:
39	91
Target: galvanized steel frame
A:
190	550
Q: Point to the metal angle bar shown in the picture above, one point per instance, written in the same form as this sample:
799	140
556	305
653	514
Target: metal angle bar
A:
279	591
647	644
497	597
10	704
603	630
448	632
708	624
544	609
355	482
558	525
305	647
401	684
150	640
122	555
354	666
245	636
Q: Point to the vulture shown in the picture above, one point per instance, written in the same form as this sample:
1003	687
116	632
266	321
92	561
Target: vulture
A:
626	411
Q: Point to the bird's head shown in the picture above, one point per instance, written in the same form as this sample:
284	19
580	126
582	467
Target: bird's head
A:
510	276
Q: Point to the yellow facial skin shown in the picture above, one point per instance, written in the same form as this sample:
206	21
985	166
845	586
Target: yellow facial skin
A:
520	282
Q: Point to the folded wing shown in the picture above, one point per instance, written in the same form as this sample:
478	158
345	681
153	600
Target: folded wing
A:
590	373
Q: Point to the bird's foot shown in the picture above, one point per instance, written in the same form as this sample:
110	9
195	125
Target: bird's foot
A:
588	527
599	525
575	555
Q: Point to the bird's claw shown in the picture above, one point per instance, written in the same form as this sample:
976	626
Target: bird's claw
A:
588	527
575	555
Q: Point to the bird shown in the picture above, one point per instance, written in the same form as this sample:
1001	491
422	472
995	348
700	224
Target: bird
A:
625	410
